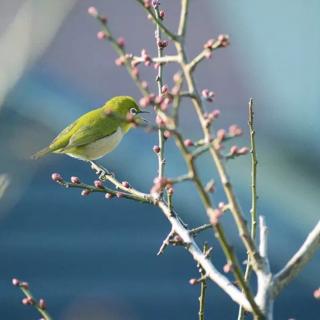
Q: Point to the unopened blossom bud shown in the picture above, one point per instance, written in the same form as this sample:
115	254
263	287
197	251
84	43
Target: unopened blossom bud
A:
156	3
316	294
28	301
175	90
214	215
159	99
56	177
144	84
93	11
162	14
125	184
159	121
188	143
15	282
101	35
121	42
162	44
215	113
144	102
98	184
42	304
227	268
164	89
209	44
193	282
75	180
120	61
224	40
221	134
108	195
156	149
147	3
235	130
234	150
243	151
85	192
208	95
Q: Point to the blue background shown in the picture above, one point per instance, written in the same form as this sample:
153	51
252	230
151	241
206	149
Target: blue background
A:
90	257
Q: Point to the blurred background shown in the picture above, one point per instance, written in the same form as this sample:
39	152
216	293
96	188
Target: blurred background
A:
93	258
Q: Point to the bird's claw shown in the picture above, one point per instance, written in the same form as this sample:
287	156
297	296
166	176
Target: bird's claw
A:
101	171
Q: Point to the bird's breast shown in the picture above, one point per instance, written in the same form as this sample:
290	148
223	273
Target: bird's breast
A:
99	148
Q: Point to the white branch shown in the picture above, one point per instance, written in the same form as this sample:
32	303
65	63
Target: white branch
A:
298	261
223	282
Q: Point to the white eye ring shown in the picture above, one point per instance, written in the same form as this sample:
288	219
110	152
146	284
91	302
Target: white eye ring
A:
133	111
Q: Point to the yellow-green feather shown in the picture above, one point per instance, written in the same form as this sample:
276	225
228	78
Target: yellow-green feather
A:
92	126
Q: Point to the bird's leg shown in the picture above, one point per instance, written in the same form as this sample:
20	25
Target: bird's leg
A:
100	170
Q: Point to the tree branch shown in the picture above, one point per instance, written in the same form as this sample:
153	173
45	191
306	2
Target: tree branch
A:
298	261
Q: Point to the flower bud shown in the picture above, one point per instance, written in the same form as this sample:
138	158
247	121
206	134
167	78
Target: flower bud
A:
121	42
85	192
108	195
156	149
243	151
193	282
316	294
42	304
24	285
125	184
75	180
224	40
233	150
162	14
92	11
101	35
28	301
15	282
227	267
98	184
188	143
56	177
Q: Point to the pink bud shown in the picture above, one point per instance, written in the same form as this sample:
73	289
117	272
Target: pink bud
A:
27	301
75	180
227	267
108	195
85	192
135	72
162	44
121	42
119	195
161	14
93	11
101	35
120	61
158	99
193	282
144	102
167	134
56	177
233	150
224	40
215	113
98	184
164	89
147	3
316	294
214	216
243	150
144	84
125	184
15	282
235	130
42	304
159	121
170	191
221	134
156	149
188	143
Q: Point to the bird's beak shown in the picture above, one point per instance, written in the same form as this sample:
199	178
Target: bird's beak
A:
142	117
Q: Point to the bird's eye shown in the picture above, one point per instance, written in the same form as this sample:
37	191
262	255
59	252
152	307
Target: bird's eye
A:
133	111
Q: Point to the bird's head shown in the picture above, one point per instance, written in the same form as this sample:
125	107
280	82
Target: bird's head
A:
124	106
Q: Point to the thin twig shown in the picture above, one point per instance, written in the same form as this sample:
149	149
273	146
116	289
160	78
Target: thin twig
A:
159	80
203	287
197	230
254	197
29	299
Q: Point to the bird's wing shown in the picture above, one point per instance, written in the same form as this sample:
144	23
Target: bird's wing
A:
88	134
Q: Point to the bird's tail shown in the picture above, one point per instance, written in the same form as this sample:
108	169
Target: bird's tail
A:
41	153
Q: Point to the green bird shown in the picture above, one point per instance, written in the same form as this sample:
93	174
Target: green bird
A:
95	133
